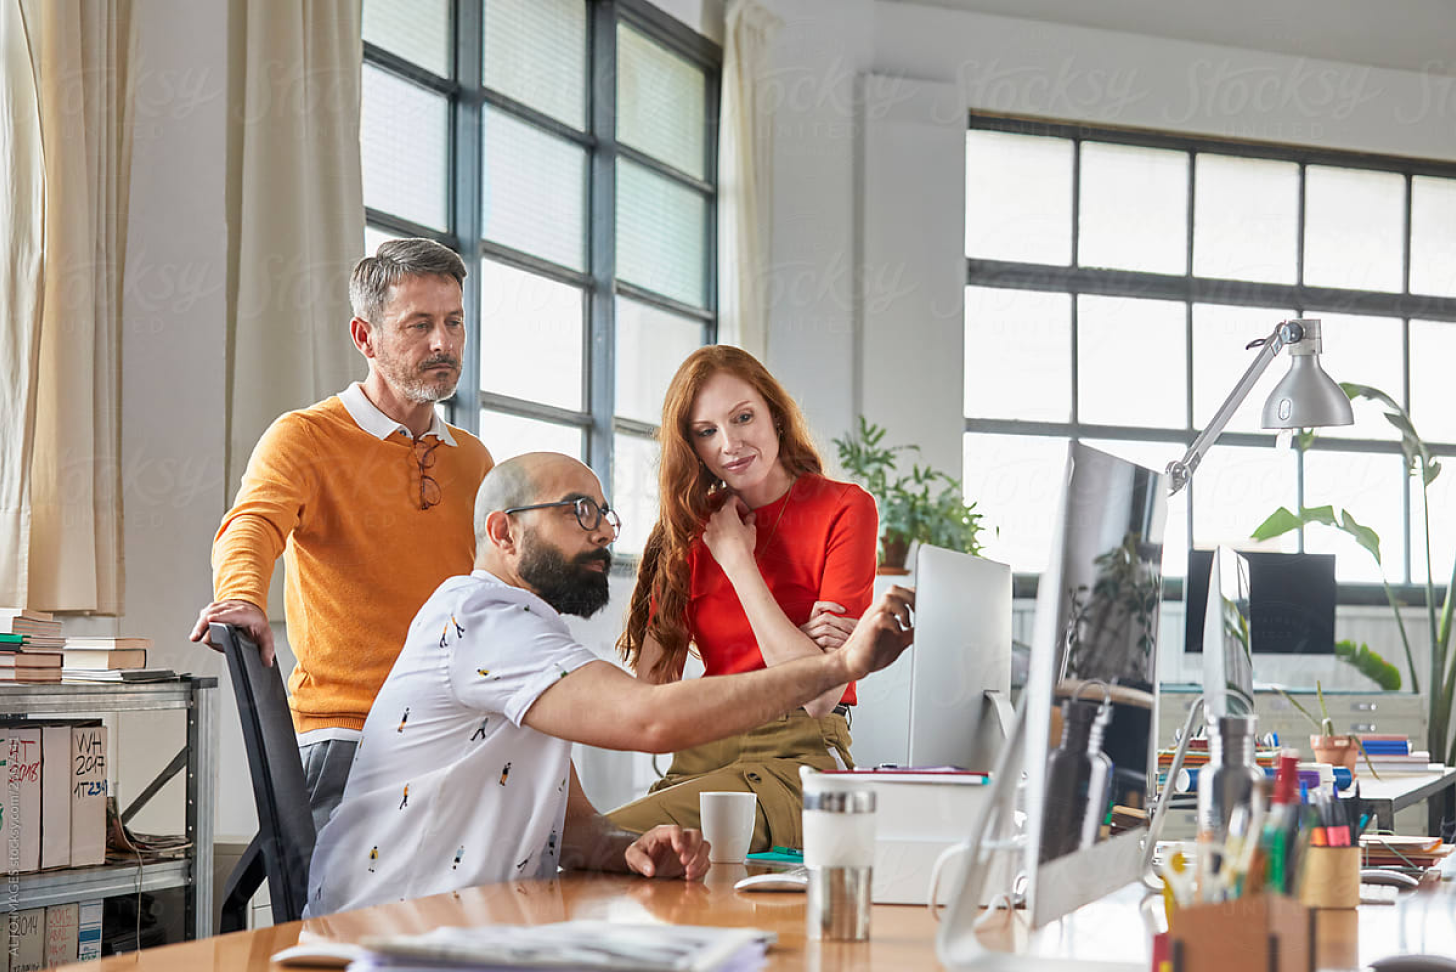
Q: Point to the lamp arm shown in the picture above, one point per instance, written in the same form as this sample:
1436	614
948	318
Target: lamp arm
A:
1181	470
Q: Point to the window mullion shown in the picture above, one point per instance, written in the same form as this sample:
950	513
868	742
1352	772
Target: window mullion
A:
466	153
600	342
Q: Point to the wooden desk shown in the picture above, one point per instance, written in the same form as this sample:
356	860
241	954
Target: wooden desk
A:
902	936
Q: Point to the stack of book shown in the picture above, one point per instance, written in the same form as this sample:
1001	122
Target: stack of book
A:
34	629
1196	758
30	646
1392	754
1402	853
109	660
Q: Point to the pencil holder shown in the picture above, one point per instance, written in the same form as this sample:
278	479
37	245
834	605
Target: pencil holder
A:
1331	878
1256	933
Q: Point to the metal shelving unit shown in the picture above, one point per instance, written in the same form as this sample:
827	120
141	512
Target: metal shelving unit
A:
197	696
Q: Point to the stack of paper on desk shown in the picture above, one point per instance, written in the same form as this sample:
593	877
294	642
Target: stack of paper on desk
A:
588	945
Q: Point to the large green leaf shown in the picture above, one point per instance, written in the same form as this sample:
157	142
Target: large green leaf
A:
1363	535
1280	522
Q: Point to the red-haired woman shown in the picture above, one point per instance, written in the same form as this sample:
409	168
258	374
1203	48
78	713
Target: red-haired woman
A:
756	559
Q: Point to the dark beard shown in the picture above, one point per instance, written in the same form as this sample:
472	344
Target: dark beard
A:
567	585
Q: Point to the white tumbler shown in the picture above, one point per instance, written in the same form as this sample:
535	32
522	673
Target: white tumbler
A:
839	851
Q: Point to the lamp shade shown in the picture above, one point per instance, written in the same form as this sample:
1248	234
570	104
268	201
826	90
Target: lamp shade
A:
1306	398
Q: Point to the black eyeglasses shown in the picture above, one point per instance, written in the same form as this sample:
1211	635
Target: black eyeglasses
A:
430	494
588	513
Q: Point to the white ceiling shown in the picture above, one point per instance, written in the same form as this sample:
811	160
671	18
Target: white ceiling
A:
1411	35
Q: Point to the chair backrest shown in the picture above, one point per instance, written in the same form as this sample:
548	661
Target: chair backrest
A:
285	823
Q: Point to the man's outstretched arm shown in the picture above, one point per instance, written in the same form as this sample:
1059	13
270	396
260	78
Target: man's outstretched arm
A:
600	705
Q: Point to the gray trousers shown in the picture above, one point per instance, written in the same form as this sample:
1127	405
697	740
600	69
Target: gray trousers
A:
325	770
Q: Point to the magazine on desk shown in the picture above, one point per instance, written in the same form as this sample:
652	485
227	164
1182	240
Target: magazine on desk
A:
586	945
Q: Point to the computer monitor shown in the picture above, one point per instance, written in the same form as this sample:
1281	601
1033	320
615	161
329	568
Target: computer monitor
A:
1291	602
946	702
1096	621
1222	600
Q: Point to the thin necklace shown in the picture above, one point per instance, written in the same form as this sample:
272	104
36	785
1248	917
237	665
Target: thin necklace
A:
777	520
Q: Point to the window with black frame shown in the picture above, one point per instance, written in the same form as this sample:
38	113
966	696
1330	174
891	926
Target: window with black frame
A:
567	149
1114	279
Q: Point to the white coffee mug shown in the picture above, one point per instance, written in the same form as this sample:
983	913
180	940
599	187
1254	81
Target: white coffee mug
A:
727	824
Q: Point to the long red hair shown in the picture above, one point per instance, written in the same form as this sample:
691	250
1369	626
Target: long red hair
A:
686	490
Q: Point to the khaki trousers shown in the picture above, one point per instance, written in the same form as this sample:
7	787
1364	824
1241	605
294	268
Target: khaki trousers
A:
765	761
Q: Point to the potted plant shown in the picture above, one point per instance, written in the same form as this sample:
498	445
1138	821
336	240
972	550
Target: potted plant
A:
1329	746
923	505
1418	462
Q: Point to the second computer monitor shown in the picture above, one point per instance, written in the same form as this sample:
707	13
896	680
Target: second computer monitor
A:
962	651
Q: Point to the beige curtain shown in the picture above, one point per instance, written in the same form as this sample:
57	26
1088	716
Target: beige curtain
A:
295	211
745	178
80	56
22	229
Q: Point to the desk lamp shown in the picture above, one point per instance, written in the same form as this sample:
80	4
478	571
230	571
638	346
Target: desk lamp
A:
1306	398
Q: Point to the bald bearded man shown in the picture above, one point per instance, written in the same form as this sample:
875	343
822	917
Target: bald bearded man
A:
464	772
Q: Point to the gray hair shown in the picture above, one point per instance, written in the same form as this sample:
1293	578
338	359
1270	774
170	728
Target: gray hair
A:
509	484
373	277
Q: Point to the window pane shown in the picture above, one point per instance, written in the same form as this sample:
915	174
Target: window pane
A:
1018	355
1443	526
1432	350
404	138
1014	480
1156	456
1245	219
661	99
1019	198
634	490
1354	228
1131	362
1366	351
373	236
507	436
533	190
1133	209
1236	488
1433	236
535	52
416	30
662	234
1220	334
530	336
1369	486
651	343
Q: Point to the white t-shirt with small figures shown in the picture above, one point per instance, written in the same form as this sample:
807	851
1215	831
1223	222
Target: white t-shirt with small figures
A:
448	788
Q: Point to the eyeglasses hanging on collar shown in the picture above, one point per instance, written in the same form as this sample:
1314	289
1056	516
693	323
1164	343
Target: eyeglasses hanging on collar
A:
430	494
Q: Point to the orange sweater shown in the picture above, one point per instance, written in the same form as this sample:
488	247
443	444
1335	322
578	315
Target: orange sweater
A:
343	507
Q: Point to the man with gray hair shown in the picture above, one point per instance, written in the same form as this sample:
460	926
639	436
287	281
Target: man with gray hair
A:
368	495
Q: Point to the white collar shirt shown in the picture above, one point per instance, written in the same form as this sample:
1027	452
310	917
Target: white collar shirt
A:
449	789
369	418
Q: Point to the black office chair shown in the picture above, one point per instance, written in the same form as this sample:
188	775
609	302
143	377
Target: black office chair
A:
284	845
